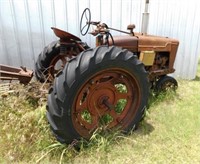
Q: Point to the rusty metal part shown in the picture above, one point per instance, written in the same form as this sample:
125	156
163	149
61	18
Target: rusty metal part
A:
114	29
67	52
139	42
168	85
56	65
154	74
68	38
159	44
70	47
131	27
113	95
63	35
128	42
12	73
102	28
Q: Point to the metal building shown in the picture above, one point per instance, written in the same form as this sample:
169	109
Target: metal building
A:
25	26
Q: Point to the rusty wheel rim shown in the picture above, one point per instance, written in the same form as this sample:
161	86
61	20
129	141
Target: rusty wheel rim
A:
110	99
56	65
169	86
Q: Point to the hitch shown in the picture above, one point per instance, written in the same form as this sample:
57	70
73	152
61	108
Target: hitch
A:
12	73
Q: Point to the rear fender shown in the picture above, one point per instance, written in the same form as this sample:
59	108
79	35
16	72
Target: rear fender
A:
65	36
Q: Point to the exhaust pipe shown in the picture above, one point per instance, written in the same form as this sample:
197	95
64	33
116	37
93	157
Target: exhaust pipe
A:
145	18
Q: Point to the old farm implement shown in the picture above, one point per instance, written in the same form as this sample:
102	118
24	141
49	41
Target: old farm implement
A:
8	73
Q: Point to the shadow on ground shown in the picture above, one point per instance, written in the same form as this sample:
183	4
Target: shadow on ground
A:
144	128
197	78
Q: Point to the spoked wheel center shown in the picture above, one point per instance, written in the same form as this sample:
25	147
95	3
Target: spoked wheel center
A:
166	83
168	86
102	98
105	100
56	65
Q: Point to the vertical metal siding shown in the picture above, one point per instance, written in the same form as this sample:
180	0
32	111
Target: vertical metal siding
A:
25	26
179	19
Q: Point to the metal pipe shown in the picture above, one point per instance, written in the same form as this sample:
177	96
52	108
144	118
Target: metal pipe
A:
118	30
145	18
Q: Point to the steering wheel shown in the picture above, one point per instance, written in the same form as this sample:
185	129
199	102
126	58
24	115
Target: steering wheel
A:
85	18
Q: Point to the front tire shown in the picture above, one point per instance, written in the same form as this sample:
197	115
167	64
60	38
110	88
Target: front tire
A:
166	83
105	86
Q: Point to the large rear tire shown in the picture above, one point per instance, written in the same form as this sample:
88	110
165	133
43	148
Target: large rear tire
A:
53	59
42	66
105	86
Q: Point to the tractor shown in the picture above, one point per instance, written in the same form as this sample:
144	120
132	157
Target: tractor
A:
103	87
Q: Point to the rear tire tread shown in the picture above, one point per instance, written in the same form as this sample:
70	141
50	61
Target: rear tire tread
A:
65	83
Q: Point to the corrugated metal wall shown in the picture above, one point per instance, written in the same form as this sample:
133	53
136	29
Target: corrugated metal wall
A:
179	19
25	26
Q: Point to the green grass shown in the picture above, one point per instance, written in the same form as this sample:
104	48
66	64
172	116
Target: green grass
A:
168	134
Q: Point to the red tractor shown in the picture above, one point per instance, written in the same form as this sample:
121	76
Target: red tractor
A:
106	86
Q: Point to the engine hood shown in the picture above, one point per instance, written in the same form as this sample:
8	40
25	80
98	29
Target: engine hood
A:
141	42
155	43
126	41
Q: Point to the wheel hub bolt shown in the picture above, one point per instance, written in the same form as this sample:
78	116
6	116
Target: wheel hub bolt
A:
107	103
